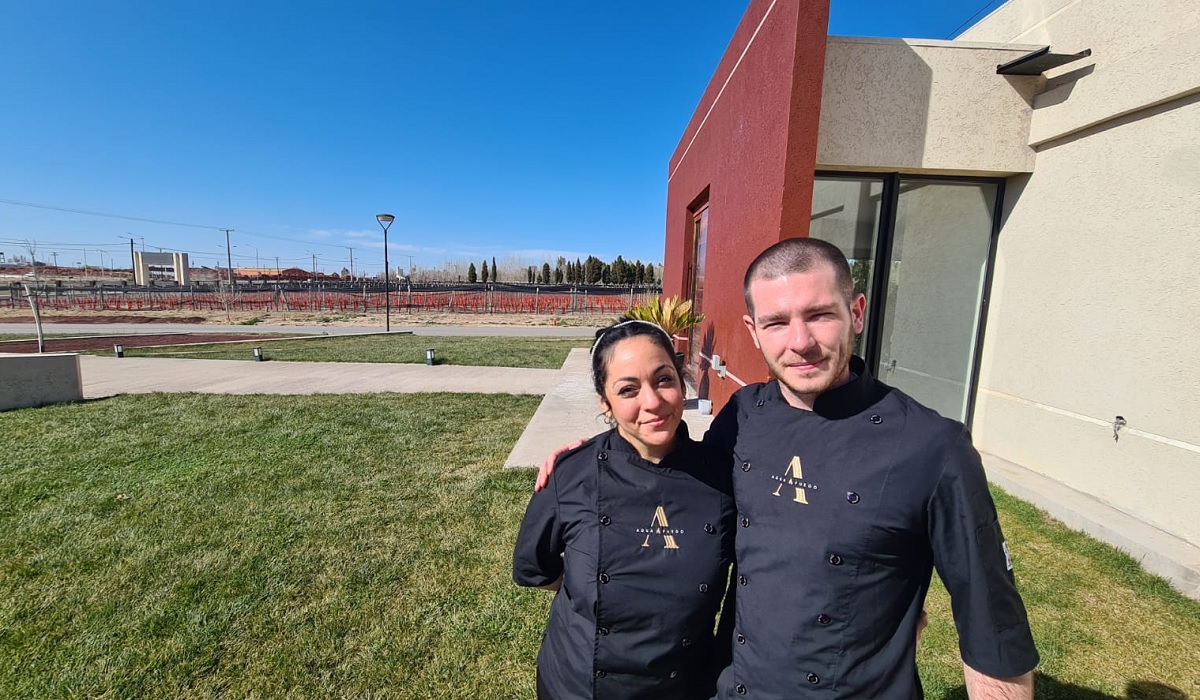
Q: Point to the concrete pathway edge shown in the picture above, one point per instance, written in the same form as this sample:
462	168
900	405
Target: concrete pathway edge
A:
1159	553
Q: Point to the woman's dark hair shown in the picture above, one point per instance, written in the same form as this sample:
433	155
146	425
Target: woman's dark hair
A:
607	339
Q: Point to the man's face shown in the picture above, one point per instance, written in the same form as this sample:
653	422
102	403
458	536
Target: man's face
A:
805	329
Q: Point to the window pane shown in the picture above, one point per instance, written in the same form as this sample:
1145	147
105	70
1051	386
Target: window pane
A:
699	251
934	289
846	213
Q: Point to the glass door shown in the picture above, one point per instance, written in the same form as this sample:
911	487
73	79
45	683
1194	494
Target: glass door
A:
934	291
919	249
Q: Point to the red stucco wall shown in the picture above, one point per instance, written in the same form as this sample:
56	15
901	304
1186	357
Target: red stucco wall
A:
752	145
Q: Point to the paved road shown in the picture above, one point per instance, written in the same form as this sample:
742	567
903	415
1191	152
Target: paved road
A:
150	328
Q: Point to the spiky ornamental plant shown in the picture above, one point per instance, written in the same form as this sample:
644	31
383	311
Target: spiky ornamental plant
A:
675	315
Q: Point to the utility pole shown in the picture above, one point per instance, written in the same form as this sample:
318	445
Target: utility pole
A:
132	257
351	263
410	269
228	256
276	267
314	256
55	255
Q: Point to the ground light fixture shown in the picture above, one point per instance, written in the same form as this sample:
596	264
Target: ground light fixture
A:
258	354
119	350
429	356
385	220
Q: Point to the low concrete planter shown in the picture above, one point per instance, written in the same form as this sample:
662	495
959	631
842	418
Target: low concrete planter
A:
37	380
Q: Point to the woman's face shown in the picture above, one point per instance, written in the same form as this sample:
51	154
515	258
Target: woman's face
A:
644	395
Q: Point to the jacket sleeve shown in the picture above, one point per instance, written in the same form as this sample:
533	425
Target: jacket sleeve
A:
972	559
537	557
722	432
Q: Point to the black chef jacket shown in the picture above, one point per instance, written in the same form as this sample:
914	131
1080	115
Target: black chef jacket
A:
843	513
644	551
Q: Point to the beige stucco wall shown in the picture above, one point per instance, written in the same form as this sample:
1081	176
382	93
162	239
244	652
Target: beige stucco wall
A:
1143	54
1096	287
924	106
37	380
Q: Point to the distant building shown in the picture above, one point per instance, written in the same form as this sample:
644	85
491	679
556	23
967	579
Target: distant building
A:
148	267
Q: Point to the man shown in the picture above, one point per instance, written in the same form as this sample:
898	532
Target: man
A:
849	494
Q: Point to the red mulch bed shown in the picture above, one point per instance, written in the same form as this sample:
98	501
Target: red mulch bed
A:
129	341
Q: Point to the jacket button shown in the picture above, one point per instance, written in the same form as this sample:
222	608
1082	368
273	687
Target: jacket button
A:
704	588
603	456
814	678
824	619
876	418
601	673
708	527
745	522
742	580
674	674
603	577
687	642
605	520
835	560
603	631
852	498
745	466
741	689
741	639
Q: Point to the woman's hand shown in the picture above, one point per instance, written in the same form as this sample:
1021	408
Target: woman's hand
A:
546	468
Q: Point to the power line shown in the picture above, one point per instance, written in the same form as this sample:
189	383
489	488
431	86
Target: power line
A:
970	19
125	217
46	244
104	214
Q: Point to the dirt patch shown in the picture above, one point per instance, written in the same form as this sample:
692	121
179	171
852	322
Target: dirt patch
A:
104	318
283	318
129	341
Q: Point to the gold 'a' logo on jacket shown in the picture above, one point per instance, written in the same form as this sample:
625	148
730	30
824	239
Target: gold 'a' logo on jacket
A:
793	477
660	527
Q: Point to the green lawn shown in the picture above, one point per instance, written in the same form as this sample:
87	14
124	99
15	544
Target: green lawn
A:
482	351
186	546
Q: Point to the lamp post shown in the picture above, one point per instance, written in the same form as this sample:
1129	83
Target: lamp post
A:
228	256
385	221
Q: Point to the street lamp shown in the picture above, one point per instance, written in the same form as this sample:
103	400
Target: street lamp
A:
385	220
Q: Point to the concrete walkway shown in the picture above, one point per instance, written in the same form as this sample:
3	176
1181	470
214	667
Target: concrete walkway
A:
89	329
109	376
569	409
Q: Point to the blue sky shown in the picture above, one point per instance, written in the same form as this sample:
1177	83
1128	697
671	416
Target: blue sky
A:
522	129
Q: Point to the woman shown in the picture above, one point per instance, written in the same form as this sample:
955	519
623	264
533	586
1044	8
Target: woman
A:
637	538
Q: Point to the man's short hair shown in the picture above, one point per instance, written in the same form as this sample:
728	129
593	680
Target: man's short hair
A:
794	255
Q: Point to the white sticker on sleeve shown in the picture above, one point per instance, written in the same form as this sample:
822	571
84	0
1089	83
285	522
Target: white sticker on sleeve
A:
1007	558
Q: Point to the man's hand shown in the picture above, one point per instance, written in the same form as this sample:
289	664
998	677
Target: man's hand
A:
546	468
983	687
